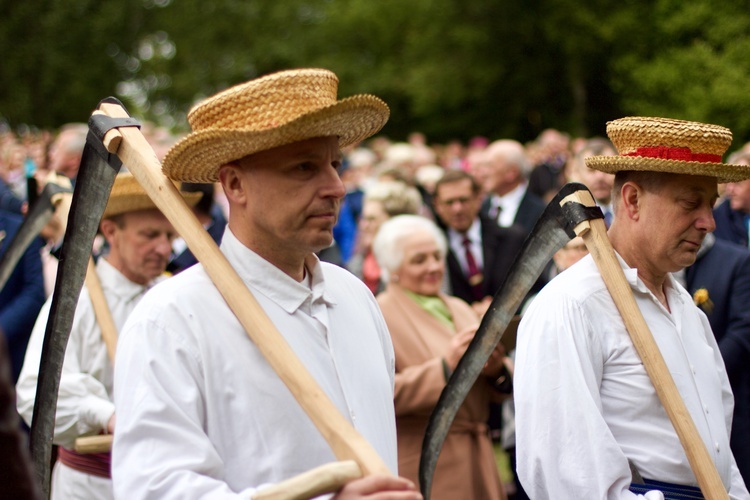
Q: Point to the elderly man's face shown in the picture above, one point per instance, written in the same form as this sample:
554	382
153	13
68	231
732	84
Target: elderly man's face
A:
675	219
422	267
140	244
457	205
288	199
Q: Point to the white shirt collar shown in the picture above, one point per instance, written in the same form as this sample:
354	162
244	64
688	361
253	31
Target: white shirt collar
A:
117	283
272	281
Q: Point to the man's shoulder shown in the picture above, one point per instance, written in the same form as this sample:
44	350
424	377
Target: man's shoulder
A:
579	282
341	280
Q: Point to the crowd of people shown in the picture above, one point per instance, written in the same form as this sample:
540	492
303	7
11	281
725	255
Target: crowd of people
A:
376	260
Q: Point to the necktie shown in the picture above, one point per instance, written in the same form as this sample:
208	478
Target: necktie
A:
474	276
607	218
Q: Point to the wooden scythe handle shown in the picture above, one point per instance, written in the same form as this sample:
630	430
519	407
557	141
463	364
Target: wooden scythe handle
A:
93	444
327	478
101	310
345	441
594	234
99	444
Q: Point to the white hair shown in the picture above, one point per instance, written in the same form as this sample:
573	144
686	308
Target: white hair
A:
388	246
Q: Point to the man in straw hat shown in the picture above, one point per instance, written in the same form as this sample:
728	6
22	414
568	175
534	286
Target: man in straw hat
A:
201	413
585	406
139	238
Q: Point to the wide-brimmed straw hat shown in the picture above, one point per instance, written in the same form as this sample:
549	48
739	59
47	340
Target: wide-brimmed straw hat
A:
667	145
127	195
270	111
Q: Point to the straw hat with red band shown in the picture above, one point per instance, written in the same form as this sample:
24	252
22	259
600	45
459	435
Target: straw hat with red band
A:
127	195
667	145
270	111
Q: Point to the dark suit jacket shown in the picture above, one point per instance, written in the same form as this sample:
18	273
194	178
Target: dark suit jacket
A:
23	294
529	210
499	247
724	271
215	230
730	224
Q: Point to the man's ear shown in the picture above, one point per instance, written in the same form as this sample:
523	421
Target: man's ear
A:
232	182
632	195
108	228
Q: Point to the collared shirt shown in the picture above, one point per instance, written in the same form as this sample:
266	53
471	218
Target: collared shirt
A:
456	240
504	208
84	400
200	411
585	405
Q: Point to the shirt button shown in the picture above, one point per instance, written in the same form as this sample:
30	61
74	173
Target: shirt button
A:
717	447
354	417
692	368
705	408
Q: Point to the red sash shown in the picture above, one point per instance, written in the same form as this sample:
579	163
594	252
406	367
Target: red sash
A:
96	464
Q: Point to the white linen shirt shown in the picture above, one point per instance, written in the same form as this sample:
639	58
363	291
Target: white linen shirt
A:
201	414
84	400
504	208
585	405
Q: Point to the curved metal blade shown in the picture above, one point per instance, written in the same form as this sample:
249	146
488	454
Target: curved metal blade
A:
93	185
550	233
36	218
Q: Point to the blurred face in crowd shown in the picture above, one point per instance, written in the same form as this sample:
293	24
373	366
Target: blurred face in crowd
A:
739	195
572	252
140	244
423	266
65	155
500	167
373	216
284	202
599	183
457	204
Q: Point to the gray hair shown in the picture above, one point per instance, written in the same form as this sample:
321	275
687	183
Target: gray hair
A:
396	197
388	245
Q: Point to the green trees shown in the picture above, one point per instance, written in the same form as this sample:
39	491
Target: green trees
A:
450	68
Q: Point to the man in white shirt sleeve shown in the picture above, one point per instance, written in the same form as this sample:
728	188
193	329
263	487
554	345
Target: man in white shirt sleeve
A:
201	414
586	411
139	239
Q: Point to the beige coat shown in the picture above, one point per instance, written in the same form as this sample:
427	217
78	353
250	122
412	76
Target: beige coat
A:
466	468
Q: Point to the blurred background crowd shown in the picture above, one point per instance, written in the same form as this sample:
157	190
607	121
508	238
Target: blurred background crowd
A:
439	223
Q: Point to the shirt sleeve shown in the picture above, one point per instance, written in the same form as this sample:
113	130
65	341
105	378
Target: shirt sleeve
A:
161	450
564	447
83	405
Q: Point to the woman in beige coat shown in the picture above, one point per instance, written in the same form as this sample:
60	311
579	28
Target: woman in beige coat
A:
430	332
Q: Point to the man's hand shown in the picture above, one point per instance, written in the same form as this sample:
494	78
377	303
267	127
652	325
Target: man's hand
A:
379	487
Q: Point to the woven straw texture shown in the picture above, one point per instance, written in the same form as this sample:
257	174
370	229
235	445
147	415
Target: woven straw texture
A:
271	111
631	133
127	195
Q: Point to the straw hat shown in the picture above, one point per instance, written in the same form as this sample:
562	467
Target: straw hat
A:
667	145
127	195
271	111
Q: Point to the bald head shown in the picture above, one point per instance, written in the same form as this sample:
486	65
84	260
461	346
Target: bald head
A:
504	165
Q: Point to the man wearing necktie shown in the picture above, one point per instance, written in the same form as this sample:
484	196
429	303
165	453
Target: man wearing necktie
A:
480	252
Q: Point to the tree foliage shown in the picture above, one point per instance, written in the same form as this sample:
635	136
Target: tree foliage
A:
450	68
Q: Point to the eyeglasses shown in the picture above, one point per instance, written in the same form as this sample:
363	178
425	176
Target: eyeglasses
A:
450	202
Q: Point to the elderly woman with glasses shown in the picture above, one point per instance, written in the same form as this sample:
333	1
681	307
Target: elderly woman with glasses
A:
430	332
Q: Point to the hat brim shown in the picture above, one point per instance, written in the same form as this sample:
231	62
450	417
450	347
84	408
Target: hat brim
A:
133	202
724	172
198	156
